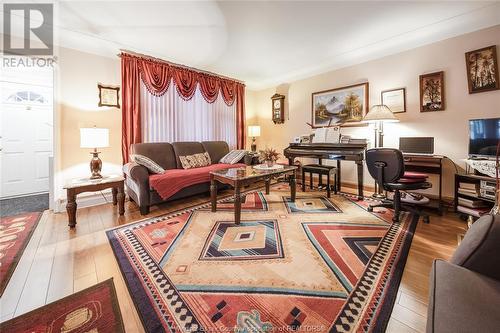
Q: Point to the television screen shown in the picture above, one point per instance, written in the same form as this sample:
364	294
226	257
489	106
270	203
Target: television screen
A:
483	136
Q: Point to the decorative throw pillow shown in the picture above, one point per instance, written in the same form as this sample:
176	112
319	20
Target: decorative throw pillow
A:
195	161
147	162
233	157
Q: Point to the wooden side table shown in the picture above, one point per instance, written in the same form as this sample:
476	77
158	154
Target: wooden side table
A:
77	186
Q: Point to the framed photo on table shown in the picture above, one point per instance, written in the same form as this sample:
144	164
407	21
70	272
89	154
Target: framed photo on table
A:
109	96
344	106
394	99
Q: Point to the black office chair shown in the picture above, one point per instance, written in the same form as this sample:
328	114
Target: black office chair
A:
387	167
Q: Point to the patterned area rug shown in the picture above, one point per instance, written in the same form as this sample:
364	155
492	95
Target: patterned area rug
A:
15	233
316	264
92	310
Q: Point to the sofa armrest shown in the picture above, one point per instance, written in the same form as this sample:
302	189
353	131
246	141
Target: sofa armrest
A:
137	181
479	249
137	172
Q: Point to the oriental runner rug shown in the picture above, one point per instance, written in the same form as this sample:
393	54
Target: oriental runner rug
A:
317	264
92	310
15	233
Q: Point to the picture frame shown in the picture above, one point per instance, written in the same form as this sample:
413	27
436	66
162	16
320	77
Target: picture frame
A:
432	93
394	99
482	70
344	106
108	95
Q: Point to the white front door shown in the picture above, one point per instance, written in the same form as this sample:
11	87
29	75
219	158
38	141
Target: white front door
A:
26	138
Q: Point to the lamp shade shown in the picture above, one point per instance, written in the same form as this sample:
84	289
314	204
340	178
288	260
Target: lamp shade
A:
253	131
380	113
94	137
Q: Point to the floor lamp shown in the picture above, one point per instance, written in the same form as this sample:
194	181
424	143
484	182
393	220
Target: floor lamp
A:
378	115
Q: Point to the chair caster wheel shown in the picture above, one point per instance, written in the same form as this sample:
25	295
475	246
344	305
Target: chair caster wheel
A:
426	219
370	209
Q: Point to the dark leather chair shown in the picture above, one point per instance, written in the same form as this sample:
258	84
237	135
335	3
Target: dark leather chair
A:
387	167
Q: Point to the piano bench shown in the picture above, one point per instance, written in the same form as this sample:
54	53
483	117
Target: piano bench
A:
320	170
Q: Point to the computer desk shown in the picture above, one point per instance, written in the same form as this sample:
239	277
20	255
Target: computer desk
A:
431	164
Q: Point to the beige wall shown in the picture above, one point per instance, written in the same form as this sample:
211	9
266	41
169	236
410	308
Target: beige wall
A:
449	127
77	75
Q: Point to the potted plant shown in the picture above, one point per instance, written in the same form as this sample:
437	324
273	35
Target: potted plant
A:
269	156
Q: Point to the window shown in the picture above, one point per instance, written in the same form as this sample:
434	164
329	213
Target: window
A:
26	97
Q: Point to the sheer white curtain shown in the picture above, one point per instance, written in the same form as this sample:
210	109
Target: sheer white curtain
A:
169	118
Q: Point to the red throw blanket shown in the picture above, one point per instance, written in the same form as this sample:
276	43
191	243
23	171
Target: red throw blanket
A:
172	181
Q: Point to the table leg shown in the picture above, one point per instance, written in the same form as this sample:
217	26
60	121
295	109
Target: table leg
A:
293	186
120	197
237	204
71	208
268	185
213	193
114	191
338	176
360	179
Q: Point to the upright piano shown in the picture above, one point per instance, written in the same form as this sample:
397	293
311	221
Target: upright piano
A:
331	151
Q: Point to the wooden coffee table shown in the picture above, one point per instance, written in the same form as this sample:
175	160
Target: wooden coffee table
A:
239	177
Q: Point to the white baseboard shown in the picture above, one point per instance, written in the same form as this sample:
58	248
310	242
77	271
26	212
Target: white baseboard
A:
86	200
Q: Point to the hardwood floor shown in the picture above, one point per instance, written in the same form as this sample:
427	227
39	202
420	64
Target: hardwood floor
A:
58	262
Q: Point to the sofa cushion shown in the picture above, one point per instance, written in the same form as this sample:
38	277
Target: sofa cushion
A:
479	249
462	300
234	156
186	148
216	149
195	161
172	181
151	165
162	153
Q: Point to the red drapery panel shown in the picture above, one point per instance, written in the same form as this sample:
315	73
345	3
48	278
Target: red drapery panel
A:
156	76
131	109
240	116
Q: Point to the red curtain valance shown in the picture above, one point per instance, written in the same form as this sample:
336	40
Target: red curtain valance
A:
156	76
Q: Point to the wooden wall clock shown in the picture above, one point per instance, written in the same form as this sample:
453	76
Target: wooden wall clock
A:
278	103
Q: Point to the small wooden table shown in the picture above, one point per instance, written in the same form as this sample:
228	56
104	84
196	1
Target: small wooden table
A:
77	186
239	177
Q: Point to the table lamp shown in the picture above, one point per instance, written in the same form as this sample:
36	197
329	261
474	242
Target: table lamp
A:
379	114
254	131
94	138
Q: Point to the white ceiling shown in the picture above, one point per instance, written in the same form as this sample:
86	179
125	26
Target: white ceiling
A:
265	43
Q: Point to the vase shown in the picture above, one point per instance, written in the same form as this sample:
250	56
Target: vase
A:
269	164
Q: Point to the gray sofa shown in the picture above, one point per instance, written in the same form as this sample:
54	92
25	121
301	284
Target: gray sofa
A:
167	156
465	292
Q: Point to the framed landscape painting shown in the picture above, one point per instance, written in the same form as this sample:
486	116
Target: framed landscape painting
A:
482	69
432	92
345	106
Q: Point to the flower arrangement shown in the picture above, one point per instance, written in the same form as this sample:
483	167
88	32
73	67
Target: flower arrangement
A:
269	155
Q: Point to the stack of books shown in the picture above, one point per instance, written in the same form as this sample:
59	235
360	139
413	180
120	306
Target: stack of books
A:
469	189
469	205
